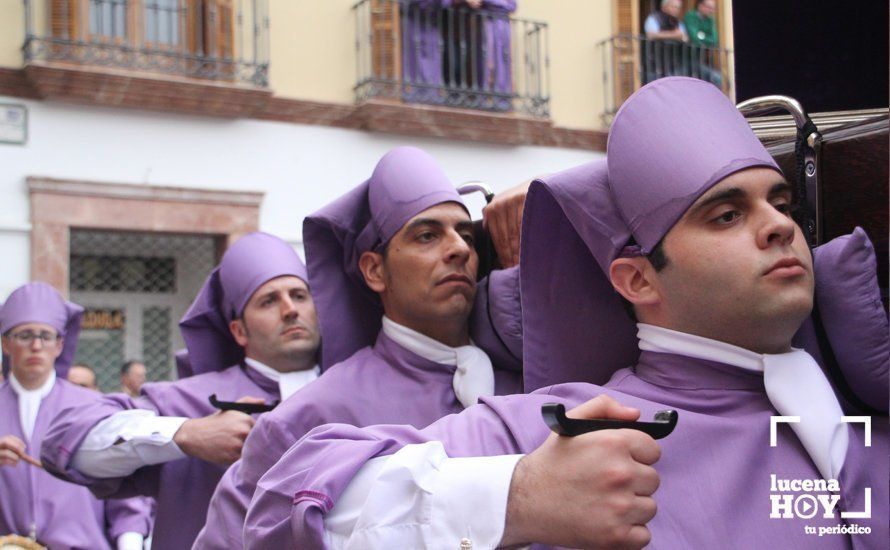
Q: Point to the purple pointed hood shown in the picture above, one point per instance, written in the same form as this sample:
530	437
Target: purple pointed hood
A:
253	260
670	142
39	302
405	182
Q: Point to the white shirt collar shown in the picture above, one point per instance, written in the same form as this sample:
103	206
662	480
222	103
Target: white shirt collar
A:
474	376
664	340
29	400
288	382
795	385
38	393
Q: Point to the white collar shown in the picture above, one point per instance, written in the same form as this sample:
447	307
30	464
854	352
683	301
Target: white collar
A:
288	382
474	376
38	393
794	383
664	340
30	400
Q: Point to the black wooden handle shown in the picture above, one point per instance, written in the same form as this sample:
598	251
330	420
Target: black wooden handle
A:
555	416
247	408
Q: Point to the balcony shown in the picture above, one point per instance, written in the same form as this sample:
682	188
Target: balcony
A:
467	59
629	62
191	55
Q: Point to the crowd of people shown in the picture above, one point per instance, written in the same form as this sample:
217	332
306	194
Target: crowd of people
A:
384	395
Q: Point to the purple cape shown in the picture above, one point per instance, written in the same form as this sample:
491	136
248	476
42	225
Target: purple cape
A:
251	261
41	303
715	467
386	384
62	514
182	487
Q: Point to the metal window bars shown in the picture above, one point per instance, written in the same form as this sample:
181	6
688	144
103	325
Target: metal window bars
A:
208	39
628	62
454	57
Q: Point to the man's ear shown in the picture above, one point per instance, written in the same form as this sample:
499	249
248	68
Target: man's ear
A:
371	265
239	332
634	279
5	344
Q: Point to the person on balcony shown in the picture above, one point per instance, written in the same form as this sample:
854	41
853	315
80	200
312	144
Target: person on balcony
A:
458	53
703	41
663	52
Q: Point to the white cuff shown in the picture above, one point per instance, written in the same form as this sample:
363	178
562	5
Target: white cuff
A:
127	441
421	498
130	540
470	501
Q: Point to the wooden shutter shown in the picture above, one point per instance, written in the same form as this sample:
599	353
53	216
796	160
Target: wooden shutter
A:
386	59
625	50
65	16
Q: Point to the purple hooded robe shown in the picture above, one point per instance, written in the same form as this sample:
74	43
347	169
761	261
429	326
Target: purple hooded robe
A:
183	487
57	513
381	382
716	466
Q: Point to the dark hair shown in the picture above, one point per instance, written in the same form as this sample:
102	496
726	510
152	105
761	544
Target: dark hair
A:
126	366
659	261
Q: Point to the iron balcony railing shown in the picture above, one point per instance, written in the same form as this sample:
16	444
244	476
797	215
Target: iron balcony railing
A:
629	62
416	52
209	39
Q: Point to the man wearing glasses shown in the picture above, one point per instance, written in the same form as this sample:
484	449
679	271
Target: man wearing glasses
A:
39	339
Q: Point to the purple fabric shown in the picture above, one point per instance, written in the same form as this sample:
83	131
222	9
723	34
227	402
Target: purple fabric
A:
496	319
575	327
715	467
853	315
183	365
386	383
39	302
421	56
495	59
669	143
251	261
182	487
64	515
405	182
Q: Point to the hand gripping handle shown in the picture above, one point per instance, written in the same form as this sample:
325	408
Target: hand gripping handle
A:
555	416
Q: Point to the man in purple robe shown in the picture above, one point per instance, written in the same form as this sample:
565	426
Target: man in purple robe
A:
39	339
252	334
704	251
393	271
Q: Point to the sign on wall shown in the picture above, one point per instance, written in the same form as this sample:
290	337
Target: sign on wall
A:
13	123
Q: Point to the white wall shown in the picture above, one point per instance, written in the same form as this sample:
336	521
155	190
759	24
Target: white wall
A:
299	167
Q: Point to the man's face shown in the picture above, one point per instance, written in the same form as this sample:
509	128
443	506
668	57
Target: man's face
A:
429	271
82	377
673	8
32	349
279	325
707	8
135	377
739	269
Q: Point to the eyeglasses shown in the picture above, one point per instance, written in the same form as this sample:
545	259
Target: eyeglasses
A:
26	337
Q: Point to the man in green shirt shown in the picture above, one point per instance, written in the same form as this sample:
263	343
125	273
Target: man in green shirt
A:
702	32
700	25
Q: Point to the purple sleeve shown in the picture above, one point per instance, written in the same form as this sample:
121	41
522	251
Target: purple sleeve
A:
508	6
66	433
291	499
496	320
129	515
